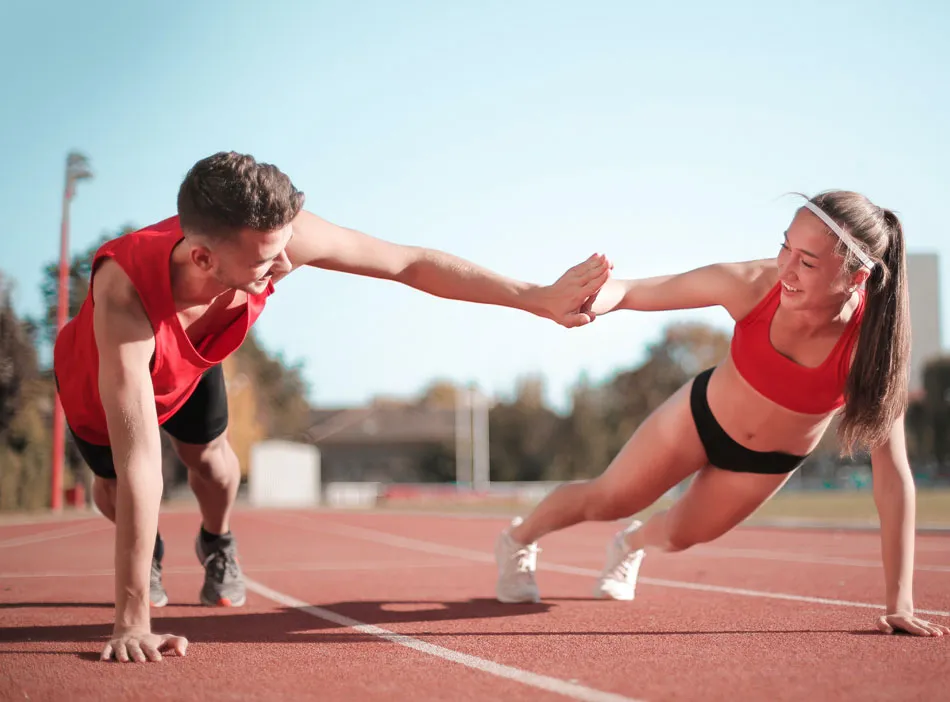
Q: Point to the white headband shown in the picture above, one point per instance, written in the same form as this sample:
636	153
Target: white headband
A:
842	234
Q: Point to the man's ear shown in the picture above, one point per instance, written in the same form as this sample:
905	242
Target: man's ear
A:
202	256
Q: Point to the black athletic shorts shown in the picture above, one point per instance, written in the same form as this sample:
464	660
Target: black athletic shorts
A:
722	450
202	418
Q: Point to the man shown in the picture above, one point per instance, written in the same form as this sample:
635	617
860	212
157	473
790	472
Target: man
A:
166	305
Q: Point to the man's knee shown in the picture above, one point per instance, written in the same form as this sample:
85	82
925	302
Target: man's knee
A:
104	495
213	461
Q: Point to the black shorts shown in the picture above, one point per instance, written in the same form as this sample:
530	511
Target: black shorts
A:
722	450
202	418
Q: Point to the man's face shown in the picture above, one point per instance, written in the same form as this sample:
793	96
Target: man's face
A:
249	261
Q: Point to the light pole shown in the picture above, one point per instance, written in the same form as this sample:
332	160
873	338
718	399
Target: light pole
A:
77	168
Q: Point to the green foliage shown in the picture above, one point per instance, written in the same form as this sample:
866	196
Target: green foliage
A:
24	427
80	268
529	442
437	464
522	435
928	418
281	390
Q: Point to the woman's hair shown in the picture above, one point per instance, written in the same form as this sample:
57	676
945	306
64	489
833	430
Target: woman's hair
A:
876	390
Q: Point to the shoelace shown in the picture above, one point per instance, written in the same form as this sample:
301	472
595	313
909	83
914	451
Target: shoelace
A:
221	564
525	558
624	568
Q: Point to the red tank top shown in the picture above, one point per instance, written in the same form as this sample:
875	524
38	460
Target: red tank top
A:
796	387
177	364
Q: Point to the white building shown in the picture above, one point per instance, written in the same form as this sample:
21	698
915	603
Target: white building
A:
923	281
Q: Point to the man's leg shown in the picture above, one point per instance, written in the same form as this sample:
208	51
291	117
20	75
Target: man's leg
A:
214	476
199	434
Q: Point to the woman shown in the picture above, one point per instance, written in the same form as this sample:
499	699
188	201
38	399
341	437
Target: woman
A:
823	328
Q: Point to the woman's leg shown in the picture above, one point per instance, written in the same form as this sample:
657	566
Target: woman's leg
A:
662	452
716	502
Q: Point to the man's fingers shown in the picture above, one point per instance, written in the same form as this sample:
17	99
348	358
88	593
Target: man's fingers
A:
943	629
582	271
578	319
595	283
106	652
178	644
121	654
135	651
151	652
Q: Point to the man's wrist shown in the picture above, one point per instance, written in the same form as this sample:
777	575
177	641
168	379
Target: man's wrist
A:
134	614
531	298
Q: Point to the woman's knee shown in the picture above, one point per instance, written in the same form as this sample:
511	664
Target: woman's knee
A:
677	541
601	506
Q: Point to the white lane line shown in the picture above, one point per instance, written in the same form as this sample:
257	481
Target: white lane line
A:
791	557
57	534
543	682
389	567
46	518
429	547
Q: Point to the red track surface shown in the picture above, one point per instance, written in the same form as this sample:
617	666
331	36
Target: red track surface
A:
706	624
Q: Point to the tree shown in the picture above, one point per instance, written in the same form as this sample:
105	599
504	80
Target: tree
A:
80	268
936	412
279	387
24	432
439	394
683	351
17	358
522	434
584	446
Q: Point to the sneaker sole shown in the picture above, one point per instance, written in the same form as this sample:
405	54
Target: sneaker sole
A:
518	600
602	594
161	602
223	602
512	600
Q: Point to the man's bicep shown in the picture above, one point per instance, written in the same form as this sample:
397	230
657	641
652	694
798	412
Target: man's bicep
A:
322	244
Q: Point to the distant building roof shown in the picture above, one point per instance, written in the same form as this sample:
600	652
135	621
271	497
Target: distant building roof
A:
381	424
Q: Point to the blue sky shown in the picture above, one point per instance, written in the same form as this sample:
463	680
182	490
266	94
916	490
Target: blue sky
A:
523	136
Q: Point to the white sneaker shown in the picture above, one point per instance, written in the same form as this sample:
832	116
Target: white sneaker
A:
619	579
516	566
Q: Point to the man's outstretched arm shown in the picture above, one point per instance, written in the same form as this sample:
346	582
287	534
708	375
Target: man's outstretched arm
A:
126	343
322	244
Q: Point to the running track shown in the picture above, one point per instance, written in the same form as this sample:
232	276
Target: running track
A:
381	606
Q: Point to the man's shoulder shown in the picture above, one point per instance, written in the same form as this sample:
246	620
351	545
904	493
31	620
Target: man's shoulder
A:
165	229
114	288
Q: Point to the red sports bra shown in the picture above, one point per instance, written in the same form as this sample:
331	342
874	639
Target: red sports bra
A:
796	387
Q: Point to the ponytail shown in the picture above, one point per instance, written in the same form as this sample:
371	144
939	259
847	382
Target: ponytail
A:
876	390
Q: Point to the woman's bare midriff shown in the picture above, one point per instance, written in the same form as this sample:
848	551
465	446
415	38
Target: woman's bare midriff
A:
756	422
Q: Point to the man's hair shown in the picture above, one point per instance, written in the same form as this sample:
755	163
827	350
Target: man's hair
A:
228	192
